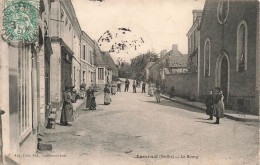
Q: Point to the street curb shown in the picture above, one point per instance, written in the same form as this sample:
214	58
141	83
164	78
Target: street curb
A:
204	110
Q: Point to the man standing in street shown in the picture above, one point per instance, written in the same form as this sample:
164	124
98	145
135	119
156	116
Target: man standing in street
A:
172	91
119	87
127	83
143	87
134	87
209	105
157	83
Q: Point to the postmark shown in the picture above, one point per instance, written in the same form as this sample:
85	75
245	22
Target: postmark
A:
20	23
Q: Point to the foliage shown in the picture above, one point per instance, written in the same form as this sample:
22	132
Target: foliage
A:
124	70
139	63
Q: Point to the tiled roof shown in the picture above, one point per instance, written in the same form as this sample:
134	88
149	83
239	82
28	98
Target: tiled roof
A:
108	60
175	59
99	60
178	61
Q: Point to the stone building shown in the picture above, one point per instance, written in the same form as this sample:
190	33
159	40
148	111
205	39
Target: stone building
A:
110	62
194	49
65	42
173	61
193	41
87	60
76	47
23	68
229	56
103	71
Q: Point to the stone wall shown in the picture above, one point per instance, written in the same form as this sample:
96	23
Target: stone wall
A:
185	84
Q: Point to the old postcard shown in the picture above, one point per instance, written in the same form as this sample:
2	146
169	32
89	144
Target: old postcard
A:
129	82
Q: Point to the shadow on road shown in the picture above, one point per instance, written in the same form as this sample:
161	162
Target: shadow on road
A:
202	118
207	122
174	105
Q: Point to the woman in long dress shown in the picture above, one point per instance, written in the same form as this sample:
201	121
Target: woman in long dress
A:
219	106
150	89
113	88
157	94
67	109
107	98
90	94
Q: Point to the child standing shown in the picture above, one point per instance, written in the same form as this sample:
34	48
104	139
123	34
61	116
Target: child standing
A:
157	94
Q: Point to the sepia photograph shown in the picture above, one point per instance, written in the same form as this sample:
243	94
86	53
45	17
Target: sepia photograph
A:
129	82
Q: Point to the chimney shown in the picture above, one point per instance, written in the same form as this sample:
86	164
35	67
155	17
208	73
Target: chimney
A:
163	52
175	47
196	14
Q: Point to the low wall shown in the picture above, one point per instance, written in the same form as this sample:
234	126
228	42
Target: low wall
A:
185	84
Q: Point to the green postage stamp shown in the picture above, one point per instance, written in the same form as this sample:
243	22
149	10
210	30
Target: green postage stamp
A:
20	21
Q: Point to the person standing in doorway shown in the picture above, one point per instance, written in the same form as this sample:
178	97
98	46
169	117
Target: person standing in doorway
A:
210	105
134	87
143	87
67	109
127	83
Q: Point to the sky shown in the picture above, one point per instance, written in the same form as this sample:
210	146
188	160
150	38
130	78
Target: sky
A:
160	23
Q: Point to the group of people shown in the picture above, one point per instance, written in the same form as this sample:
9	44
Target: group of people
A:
215	105
136	84
67	108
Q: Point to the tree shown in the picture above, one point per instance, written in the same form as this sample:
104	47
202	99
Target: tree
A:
125	70
139	63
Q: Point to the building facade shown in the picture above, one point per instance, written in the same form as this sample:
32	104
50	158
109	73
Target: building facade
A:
65	42
23	68
76	47
87	60
103	70
229	58
193	35
171	62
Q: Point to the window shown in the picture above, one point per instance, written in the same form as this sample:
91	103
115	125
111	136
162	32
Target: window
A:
192	45
222	11
24	92
207	58
100	73
189	43
92	76
84	74
66	22
242	46
194	40
91	58
84	52
61	14
74	75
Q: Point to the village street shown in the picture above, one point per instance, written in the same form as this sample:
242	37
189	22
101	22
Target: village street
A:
134	125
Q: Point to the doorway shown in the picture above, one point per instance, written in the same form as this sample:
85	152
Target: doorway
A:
223	74
224	77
